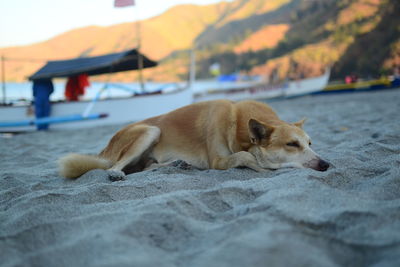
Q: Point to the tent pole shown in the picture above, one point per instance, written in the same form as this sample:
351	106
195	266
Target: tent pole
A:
3	78
140	58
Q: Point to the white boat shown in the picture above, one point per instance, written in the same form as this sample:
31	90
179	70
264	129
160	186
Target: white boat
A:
110	111
78	114
267	91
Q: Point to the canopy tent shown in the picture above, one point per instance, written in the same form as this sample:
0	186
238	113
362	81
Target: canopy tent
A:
116	62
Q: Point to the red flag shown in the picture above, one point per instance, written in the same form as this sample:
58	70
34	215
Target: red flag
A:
123	3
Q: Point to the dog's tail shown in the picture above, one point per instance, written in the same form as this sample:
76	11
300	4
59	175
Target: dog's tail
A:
75	165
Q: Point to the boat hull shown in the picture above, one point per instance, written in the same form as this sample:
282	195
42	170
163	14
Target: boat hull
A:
362	86
119	110
265	91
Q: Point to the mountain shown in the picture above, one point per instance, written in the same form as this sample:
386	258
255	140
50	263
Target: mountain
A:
297	38
359	36
161	35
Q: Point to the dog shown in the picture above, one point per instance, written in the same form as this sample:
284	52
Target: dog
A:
216	134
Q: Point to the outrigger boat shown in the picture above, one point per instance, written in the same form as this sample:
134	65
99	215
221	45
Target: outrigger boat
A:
361	86
267	91
78	114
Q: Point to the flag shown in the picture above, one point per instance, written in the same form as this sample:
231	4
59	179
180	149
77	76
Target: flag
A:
123	3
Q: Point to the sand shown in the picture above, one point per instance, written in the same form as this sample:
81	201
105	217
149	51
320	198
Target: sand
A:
181	216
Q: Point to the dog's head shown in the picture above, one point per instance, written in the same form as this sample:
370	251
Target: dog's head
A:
285	145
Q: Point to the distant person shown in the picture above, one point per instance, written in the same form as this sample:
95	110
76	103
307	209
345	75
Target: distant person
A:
215	69
42	89
351	78
347	79
396	77
396	72
75	87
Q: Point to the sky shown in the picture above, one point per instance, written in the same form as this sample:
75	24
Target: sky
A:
24	22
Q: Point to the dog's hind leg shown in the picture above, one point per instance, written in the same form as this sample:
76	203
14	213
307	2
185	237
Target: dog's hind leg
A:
134	151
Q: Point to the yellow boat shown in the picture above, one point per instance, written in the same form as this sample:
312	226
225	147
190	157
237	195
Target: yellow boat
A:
378	84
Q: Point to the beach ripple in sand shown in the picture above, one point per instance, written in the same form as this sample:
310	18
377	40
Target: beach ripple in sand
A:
180	216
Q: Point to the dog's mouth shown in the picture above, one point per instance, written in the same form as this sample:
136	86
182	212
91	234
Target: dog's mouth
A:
318	165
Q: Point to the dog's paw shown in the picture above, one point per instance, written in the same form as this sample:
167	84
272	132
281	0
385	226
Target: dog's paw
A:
116	175
248	160
183	165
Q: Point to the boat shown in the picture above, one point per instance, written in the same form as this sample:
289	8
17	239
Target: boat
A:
98	111
361	86
103	112
266	91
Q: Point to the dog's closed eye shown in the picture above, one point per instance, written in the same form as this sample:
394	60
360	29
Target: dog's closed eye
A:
293	144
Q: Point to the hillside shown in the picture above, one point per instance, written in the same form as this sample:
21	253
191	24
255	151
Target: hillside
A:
161	35
351	36
296	38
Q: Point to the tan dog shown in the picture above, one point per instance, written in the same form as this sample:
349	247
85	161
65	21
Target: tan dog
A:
216	134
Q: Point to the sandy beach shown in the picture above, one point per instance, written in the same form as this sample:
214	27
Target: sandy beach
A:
181	216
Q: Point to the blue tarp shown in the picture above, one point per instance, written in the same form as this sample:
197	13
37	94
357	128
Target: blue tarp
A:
228	77
116	62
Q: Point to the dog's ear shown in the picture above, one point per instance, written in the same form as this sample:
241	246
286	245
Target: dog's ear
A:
300	123
259	131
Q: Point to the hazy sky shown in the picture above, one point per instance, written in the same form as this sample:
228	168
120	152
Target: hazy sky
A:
28	21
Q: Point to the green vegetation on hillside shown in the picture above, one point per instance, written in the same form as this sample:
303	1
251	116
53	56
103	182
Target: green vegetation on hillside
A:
353	36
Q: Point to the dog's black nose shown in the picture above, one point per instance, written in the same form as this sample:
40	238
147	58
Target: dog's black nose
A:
323	165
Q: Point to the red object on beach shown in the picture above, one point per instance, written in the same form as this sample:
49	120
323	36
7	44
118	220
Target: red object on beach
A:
75	87
123	3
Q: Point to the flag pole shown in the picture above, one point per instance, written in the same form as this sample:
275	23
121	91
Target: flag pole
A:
126	3
3	77
192	66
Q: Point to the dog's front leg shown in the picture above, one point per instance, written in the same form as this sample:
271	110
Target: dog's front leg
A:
239	159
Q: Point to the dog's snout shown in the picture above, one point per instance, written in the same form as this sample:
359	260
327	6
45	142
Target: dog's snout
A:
317	164
323	165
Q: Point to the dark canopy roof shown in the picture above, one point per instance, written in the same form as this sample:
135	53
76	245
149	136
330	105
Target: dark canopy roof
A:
123	61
